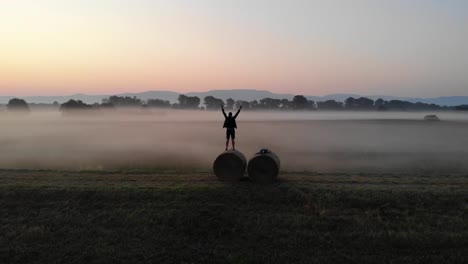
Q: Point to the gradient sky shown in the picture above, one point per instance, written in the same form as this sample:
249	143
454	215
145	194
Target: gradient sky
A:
393	47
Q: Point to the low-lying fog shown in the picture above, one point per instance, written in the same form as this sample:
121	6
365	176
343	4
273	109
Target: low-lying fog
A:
318	141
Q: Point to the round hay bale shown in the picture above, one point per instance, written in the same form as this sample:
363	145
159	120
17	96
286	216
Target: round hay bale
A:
230	166
431	118
264	167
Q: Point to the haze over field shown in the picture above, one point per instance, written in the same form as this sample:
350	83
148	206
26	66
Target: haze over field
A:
326	141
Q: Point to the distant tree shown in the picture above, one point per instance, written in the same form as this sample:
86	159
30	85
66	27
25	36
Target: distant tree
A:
311	105
55	104
73	105
299	102
123	101
18	105
245	105
423	106
212	103
350	103
188	102
365	103
182	101
330	105
253	105
269	104
461	108
230	104
158	103
285	104
106	106
193	102
398	105
362	103
379	104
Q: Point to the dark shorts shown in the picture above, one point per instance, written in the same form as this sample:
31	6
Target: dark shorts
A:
230	133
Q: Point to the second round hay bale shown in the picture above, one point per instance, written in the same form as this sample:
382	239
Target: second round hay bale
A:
264	167
230	166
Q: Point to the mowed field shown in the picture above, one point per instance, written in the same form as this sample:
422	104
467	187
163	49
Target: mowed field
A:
138	188
164	216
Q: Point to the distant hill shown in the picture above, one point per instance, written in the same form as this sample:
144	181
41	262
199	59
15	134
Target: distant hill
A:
164	95
246	95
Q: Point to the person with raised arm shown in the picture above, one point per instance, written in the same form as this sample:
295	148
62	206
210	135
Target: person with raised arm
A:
231	126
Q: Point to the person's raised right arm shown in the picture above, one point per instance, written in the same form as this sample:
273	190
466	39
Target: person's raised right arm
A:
224	113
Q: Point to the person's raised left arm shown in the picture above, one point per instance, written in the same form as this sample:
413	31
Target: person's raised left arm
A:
238	111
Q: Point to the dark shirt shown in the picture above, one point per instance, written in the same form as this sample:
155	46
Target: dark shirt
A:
230	121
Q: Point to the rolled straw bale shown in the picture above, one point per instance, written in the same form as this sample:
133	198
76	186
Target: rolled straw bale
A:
264	167
230	166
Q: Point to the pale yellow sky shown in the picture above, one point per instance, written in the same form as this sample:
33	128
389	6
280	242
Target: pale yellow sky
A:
309	47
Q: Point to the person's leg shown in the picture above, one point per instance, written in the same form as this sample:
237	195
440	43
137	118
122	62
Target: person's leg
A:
227	139
233	137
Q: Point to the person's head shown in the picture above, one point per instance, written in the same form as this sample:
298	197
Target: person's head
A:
230	114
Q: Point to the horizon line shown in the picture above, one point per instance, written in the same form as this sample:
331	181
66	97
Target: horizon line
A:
221	90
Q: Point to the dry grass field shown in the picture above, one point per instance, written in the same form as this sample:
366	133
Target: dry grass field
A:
171	216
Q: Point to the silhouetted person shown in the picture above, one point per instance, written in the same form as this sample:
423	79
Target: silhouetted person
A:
231	126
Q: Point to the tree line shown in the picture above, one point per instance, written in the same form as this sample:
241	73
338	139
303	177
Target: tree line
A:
298	103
